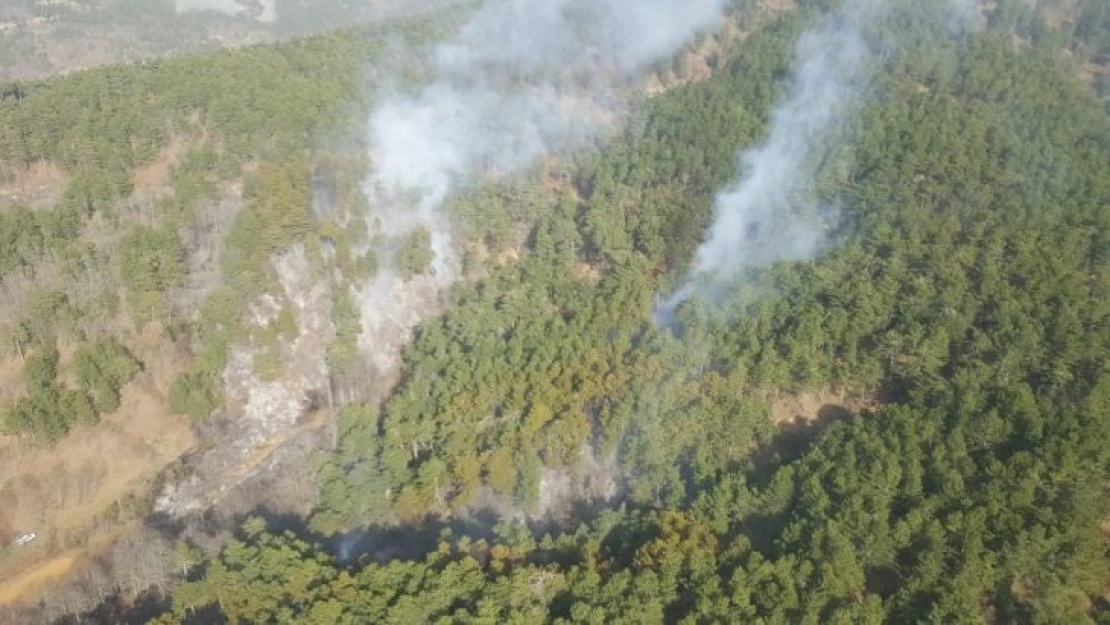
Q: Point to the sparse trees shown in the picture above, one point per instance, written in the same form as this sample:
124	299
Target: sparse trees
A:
48	411
195	394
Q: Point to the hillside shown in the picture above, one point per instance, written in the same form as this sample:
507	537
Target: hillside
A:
40	38
249	377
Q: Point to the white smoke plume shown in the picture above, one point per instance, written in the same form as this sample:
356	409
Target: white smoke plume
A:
764	218
521	79
757	220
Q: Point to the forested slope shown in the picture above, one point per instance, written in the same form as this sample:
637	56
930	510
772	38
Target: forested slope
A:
967	295
963	173
962	304
129	196
41	38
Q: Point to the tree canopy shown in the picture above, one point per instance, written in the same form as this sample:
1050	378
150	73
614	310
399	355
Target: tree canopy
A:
965	295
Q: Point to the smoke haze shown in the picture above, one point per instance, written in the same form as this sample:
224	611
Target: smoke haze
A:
521	79
228	7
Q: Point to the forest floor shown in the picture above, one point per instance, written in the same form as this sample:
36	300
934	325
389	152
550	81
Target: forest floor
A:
24	584
803	409
79	492
39	186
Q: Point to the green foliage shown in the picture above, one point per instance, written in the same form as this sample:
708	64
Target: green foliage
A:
49	314
895	517
343	352
195	394
250	115
151	263
540	365
968	292
102	370
245	587
414	254
48	411
275	216
26	234
968	295
267	362
99	124
221	324
40	370
199	391
187	556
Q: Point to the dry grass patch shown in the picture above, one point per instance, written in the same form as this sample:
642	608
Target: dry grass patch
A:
37	186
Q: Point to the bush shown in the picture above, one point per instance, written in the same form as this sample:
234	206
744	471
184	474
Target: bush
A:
49	411
415	254
102	369
151	264
195	394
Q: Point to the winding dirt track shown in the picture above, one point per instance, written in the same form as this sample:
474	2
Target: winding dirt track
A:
27	582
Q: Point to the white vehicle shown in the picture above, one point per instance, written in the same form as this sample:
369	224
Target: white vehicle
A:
25	539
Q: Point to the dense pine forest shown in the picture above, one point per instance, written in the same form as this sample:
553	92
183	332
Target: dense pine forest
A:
969	298
550	454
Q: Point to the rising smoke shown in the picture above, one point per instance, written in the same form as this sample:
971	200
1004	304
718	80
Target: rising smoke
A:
519	80
523	78
769	215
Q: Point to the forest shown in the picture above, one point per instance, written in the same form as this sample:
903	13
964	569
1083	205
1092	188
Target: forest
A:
960	322
40	38
969	298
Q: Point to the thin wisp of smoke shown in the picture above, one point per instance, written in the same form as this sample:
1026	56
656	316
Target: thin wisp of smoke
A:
770	215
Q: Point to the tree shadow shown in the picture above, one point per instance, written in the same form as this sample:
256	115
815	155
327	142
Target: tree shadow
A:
795	437
382	544
117	610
